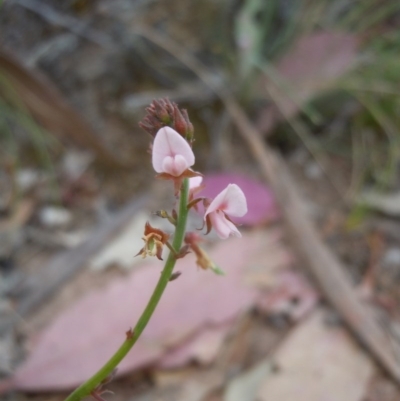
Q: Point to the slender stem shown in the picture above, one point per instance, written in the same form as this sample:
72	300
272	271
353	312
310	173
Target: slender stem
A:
86	388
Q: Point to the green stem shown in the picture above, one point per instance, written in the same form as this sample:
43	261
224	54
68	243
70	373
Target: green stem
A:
86	388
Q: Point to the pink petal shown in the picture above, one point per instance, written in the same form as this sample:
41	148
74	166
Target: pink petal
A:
174	165
222	226
195	182
231	200
168	143
261	204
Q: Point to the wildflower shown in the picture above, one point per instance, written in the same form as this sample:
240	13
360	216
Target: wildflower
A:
154	240
230	202
172	156
171	153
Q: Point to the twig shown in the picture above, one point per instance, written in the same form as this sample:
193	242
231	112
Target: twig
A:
324	266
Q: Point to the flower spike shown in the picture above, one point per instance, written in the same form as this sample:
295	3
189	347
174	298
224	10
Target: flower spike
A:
230	202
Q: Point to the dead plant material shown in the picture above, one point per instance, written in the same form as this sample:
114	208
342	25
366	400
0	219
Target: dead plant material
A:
48	106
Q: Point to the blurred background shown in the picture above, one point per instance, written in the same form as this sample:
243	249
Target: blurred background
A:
319	79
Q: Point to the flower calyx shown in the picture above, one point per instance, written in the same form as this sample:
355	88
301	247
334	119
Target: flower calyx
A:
154	240
189	173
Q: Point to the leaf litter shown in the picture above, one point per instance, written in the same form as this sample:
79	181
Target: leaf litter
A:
191	322
318	361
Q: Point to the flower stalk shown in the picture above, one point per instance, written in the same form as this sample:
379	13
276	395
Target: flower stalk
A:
90	386
172	159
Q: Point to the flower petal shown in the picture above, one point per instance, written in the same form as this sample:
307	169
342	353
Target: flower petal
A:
174	165
168	143
195	182
223	227
231	200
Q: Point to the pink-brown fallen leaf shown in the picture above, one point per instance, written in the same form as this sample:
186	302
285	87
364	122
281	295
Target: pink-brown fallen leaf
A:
261	204
86	334
290	294
312	66
202	348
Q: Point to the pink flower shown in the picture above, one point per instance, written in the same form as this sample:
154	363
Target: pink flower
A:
171	153
230	202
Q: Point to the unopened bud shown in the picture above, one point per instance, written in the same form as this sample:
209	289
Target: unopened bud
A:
189	126
179	122
162	111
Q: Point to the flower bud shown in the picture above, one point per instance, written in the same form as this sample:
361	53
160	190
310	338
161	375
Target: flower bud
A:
164	113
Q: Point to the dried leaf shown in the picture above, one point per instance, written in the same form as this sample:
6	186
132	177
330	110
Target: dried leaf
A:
202	348
313	66
81	339
245	386
291	295
318	362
